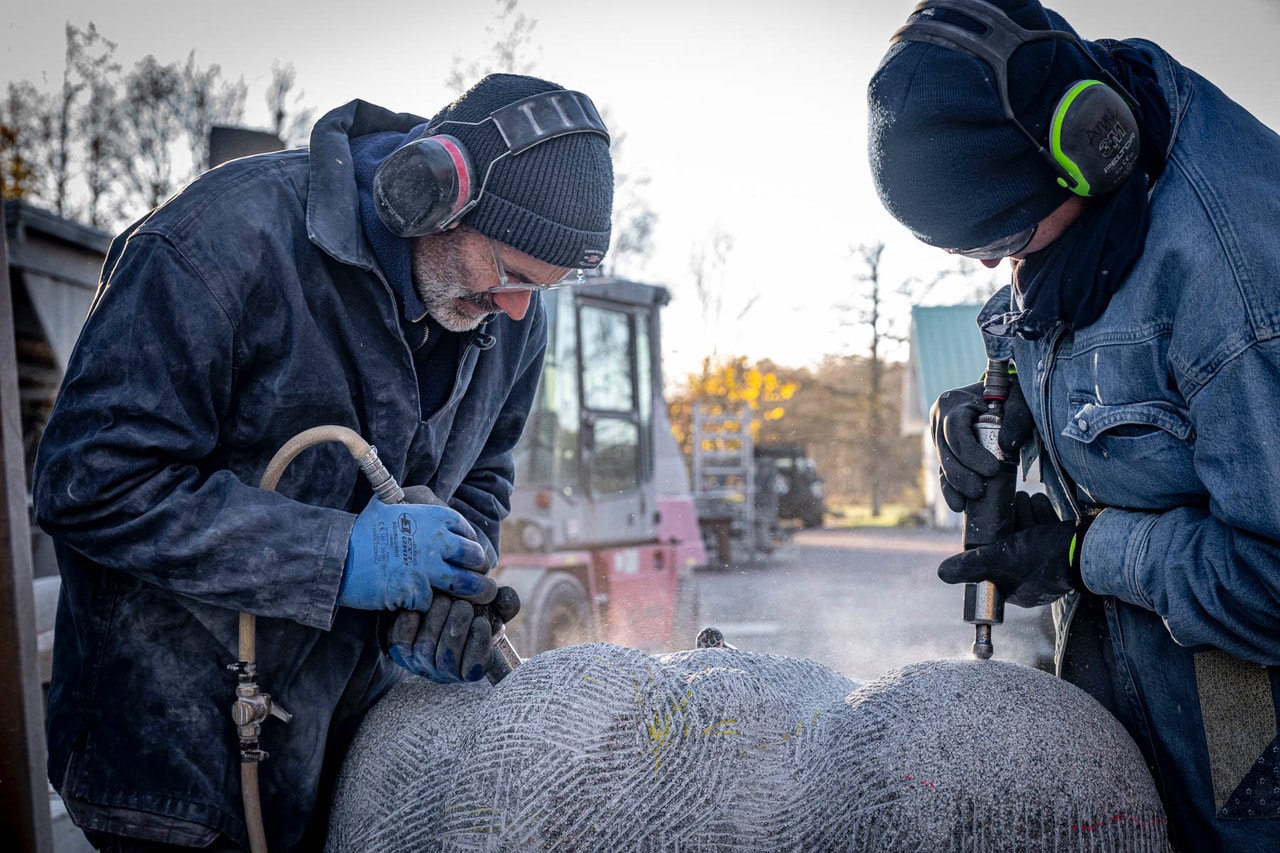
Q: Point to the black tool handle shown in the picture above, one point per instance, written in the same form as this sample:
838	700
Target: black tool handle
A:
990	518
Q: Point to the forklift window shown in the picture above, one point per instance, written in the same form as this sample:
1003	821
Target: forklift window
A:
607	383
615	465
610	399
548	454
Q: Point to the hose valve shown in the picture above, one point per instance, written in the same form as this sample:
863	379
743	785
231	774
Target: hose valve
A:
251	709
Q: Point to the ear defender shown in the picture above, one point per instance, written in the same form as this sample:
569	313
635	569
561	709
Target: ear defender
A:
1093	138
1093	135
428	185
421	187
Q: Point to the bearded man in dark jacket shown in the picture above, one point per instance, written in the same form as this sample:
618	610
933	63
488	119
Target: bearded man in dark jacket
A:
382	280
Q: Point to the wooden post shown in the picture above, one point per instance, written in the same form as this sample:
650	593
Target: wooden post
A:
24	789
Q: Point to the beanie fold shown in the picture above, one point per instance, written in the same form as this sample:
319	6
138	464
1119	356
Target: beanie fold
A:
550	242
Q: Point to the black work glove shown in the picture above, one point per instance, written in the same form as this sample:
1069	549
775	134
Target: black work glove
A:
447	644
1036	564
453	640
965	464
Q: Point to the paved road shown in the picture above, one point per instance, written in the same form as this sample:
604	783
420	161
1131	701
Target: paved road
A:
860	601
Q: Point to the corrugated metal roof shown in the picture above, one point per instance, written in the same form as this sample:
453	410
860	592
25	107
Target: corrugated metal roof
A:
946	349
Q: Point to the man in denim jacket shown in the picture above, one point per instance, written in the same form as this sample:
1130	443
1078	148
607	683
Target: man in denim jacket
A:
380	281
1144	323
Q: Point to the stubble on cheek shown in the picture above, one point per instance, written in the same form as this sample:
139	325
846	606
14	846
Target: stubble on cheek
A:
438	276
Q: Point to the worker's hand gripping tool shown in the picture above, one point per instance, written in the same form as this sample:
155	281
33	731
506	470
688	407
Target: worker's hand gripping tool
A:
504	657
990	517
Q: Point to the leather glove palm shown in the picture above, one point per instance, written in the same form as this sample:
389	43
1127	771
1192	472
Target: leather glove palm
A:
398	554
1038	563
965	464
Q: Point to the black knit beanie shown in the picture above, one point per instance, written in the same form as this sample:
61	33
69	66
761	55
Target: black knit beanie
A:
946	162
553	201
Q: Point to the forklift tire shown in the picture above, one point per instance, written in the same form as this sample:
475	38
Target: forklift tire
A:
563	613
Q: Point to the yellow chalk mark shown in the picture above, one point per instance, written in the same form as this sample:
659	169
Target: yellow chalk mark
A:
723	727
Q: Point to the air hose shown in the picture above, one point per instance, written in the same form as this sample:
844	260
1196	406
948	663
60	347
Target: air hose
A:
252	706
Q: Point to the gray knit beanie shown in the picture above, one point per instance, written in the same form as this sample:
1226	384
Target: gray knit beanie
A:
946	162
553	201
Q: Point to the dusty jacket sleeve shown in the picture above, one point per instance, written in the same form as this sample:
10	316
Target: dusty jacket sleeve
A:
484	496
1213	575
122	474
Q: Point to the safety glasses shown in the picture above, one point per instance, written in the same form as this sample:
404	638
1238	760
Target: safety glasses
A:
997	249
505	285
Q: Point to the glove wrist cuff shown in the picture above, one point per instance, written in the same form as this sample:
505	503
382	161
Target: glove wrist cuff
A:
1076	550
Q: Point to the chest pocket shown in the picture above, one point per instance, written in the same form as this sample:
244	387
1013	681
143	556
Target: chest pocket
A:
1136	455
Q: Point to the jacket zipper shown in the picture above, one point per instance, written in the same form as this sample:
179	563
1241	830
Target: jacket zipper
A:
1069	604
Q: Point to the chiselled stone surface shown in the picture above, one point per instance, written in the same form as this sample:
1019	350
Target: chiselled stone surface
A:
598	747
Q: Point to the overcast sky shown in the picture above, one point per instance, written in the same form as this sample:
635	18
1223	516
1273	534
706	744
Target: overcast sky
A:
747	116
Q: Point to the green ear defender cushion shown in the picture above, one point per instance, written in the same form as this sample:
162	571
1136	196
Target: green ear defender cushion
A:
1094	138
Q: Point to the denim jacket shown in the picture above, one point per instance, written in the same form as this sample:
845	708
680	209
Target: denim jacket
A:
1165	414
244	310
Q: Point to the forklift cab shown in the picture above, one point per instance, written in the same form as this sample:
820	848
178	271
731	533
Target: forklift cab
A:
585	465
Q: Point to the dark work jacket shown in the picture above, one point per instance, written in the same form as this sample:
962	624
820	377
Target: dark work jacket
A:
244	310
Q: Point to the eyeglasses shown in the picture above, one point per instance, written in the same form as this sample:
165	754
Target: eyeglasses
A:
505	285
1002	248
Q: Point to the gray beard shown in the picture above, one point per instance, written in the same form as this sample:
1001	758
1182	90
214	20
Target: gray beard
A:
437	275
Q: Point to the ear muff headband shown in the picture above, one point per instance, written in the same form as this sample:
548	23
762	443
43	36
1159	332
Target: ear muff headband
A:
1093	149
428	185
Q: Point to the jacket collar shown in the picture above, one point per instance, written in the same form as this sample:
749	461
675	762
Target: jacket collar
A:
333	204
1174	83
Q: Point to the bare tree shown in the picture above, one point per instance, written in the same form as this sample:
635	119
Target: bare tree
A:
707	266
88	62
204	99
59	164
105	146
150	130
290	119
873	313
96	121
511	49
871	316
26	123
633	216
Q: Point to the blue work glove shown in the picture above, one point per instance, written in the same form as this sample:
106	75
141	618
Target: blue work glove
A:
399	553
453	640
1036	564
965	464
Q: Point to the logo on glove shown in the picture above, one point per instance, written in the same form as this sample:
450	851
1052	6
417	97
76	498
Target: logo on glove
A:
406	524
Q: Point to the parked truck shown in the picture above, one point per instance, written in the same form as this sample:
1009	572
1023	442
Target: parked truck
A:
801	497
